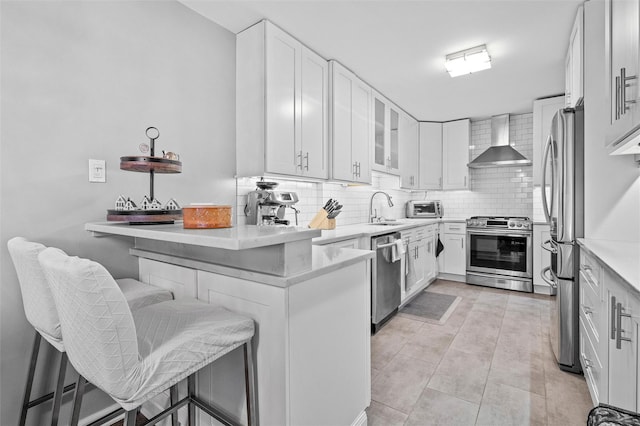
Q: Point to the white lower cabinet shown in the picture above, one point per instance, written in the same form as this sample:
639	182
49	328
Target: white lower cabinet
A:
453	259
609	312
541	257
312	343
420	259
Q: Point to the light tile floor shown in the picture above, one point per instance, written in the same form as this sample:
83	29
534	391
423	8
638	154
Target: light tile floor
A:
490	363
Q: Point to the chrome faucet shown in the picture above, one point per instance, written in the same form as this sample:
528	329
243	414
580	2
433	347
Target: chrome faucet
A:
375	216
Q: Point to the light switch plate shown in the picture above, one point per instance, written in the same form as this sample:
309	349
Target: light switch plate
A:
97	171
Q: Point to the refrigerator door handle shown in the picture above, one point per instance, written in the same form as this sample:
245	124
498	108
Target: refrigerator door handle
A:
548	246
545	162
550	280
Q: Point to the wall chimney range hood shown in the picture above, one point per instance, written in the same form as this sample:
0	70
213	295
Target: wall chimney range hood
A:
500	154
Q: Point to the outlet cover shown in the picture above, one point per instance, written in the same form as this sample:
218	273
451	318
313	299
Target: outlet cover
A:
97	171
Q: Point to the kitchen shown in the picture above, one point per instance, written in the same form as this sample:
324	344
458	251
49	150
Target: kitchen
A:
118	68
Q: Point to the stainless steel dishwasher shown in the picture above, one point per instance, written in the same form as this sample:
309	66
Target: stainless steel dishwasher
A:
386	276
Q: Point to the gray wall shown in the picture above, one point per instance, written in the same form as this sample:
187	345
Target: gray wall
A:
84	80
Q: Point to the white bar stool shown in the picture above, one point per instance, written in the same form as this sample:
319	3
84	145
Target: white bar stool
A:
40	310
134	356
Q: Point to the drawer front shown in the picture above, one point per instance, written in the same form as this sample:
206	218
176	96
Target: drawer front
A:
454	228
593	371
592	270
590	307
420	233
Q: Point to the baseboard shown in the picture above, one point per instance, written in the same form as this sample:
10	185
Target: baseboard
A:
361	420
452	277
542	289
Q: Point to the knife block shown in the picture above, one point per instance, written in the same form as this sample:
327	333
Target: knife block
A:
320	221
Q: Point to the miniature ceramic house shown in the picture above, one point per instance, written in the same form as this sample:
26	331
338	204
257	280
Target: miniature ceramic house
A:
155	205
130	205
121	203
172	205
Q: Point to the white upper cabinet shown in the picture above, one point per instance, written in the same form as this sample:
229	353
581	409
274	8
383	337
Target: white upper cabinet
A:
622	32
408	133
543	112
386	119
351	127
281	105
455	154
574	60
430	161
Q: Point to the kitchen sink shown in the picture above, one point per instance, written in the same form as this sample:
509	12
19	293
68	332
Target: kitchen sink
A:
387	223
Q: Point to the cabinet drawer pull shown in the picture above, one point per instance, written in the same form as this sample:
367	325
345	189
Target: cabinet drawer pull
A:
587	310
613	317
617	98
587	363
619	330
623	90
307	158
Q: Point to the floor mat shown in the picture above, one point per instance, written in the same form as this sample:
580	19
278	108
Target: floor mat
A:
431	307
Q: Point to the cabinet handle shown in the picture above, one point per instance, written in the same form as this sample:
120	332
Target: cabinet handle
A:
623	90
619	337
440	181
587	363
613	317
465	181
587	310
307	158
300	157
617	97
355	169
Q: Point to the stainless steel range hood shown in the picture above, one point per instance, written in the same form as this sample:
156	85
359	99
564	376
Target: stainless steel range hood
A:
500	153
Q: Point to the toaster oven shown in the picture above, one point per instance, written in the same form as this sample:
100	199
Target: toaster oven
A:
424	209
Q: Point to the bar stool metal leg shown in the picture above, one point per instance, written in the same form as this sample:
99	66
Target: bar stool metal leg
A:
57	395
130	417
173	397
30	375
249	378
191	391
77	400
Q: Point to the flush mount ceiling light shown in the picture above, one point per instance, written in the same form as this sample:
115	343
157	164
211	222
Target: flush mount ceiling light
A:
468	61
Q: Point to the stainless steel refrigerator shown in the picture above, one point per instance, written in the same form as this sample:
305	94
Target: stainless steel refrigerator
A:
563	204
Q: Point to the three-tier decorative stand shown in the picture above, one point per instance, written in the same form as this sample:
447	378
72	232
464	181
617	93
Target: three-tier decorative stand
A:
154	213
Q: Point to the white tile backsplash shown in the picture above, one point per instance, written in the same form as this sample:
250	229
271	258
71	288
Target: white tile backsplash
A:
494	191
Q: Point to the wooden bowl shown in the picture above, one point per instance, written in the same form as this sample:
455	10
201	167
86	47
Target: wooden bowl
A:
206	216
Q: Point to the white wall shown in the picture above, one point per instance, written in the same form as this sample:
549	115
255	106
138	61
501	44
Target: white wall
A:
83	80
612	183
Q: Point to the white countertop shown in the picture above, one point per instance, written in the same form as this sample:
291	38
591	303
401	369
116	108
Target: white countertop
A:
323	261
370	230
236	238
622	257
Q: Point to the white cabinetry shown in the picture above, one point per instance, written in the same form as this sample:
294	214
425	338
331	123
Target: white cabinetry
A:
543	112
386	117
420	259
453	259
409	152
281	105
622	33
351	126
609	324
455	154
181	281
573	72
430	161
541	257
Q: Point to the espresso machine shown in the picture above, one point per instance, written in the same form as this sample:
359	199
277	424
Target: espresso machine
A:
268	207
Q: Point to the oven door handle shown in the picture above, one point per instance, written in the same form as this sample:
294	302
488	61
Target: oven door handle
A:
506	233
551	281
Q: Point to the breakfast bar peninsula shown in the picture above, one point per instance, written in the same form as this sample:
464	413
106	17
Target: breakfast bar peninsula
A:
311	306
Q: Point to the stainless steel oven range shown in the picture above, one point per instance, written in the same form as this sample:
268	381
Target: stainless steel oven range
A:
499	252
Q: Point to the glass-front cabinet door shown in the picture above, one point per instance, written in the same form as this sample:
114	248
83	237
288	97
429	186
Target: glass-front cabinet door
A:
380	124
386	136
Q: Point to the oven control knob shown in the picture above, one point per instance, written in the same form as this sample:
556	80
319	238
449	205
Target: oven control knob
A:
511	225
519	225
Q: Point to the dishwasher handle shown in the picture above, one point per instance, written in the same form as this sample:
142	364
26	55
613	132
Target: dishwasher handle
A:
381	246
